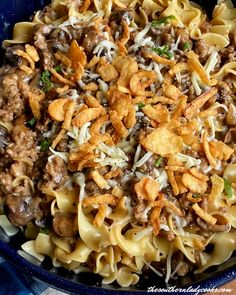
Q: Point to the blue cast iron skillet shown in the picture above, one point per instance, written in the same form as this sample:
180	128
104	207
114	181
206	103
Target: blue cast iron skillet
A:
13	11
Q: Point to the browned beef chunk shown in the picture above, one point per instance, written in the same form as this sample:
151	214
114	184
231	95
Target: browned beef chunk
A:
55	173
21	209
65	224
4	137
10	57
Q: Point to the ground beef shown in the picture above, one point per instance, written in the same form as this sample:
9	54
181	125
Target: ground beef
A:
91	37
186	86
149	165
92	188
65	224
38	168
140	212
212	228
6	182
184	38
23	145
205	27
55	173
202	49
228	54
121	14
63	145
186	265
20	168
40	42
13	103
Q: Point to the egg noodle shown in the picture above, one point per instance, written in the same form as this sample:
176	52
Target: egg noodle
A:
130	106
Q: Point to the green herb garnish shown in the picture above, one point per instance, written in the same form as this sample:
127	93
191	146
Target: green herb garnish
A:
44	230
45	80
196	196
159	162
228	188
57	68
141	105
31	122
163	51
164	20
186	46
44	145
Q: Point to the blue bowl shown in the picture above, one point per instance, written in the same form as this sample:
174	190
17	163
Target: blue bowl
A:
13	11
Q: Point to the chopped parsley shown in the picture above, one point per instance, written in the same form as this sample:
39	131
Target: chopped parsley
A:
163	51
44	145
45	80
228	188
159	162
196	196
44	230
141	105
164	20
57	68
31	122
186	46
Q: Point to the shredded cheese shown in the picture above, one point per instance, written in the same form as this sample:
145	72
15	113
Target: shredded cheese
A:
188	160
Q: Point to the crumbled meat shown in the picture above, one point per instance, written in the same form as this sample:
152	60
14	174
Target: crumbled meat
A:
6	182
212	228
228	54
121	14
202	49
55	173
92	188
38	169
23	145
20	168
167	38
184	38
205	27
185	86
41	32
65	224
92	36
149	165
183	265
140	212
184	202
13	103
63	145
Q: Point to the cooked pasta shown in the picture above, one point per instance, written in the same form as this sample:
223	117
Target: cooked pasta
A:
118	124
